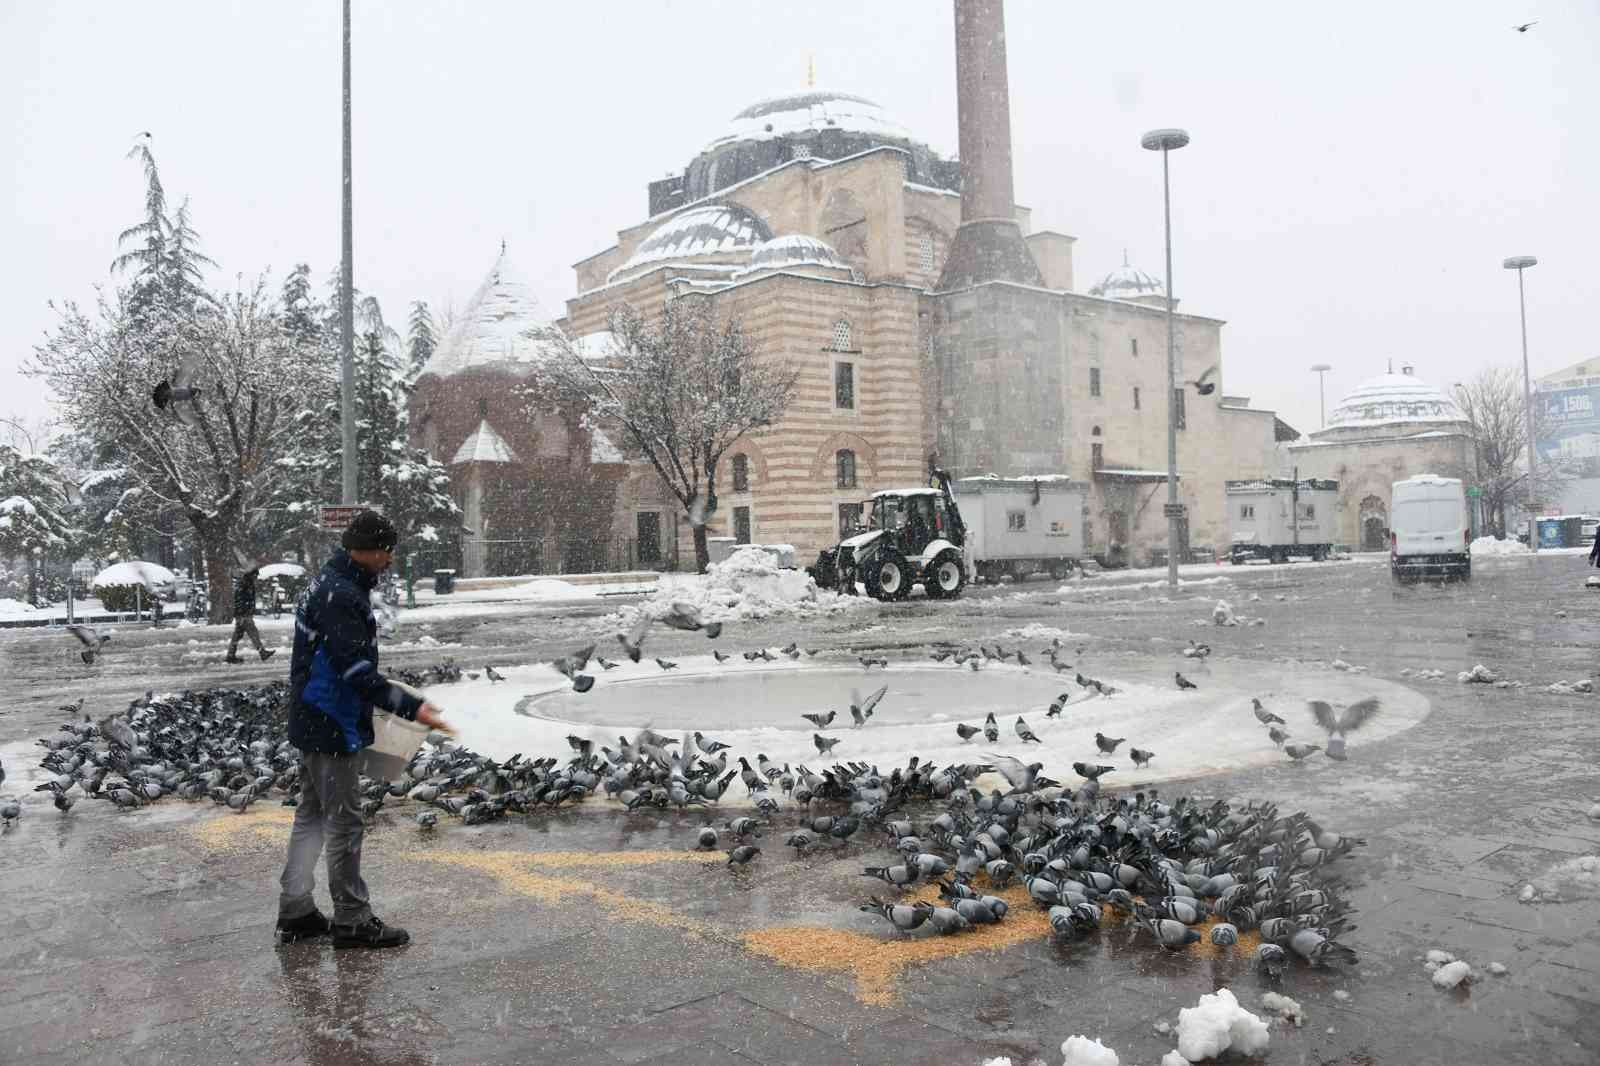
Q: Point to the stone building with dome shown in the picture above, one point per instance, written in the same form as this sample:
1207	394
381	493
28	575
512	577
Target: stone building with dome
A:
925	313
1388	428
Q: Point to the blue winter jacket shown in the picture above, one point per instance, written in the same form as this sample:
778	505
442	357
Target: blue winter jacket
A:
333	677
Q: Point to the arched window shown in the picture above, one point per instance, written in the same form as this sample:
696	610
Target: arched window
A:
841	336
925	253
845	460
483	407
741	473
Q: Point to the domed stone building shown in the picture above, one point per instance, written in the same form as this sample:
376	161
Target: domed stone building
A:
1386	429
926	317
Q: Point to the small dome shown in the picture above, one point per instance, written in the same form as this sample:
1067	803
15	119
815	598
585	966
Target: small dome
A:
722	230
808	111
494	328
794	250
1393	398
1128	283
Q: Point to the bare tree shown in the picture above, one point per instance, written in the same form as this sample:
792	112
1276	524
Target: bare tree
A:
684	388
1493	404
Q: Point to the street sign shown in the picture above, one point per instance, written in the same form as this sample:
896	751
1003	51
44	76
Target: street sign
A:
1172	510
335	517
1474	491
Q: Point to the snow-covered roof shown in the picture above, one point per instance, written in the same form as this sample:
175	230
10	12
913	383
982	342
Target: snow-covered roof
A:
712	229
793	250
1127	283
484	446
601	449
1393	398
905	492
135	572
806	111
1127	474
493	328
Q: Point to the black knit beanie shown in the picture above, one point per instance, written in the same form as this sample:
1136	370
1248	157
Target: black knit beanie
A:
368	530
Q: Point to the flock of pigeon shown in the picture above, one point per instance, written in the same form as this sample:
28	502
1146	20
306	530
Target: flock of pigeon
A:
1085	857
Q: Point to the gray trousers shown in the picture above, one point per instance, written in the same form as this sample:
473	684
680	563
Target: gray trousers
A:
329	815
244	625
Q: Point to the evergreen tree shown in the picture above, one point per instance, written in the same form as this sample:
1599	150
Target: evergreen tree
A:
164	256
421	339
34	520
302	315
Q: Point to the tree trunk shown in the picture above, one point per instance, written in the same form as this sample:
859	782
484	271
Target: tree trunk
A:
702	554
33	579
219	576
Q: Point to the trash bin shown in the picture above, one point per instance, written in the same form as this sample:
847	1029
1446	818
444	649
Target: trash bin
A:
1571	531
1550	531
444	582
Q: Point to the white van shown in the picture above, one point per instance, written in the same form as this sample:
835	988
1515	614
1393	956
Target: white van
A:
1429	533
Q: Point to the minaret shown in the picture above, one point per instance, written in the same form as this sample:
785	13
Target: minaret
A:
989	244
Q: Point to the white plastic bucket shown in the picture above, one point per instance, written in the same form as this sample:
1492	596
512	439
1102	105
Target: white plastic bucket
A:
394	742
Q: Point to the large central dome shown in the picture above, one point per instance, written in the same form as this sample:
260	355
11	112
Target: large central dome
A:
810	111
1391	404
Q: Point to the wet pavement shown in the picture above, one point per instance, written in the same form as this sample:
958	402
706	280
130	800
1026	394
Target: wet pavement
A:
594	936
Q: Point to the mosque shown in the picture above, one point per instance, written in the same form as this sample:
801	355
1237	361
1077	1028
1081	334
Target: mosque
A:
926	314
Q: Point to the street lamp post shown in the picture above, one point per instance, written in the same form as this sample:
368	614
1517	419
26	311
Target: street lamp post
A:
1165	141
347	342
1321	370
1519	263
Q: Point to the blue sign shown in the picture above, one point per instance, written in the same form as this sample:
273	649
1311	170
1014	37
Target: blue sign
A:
1569	422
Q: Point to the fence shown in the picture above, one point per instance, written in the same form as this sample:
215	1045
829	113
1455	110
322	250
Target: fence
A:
504	557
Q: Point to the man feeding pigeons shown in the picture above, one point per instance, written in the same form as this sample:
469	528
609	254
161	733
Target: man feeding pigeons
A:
334	684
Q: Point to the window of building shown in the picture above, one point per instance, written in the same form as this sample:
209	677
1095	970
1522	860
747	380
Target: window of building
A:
483	407
741	473
1180	416
1308	510
1136	397
1016	521
844	386
741	525
1094	381
849	519
1247	510
925	254
1097	456
648	545
845	461
1133	345
841	336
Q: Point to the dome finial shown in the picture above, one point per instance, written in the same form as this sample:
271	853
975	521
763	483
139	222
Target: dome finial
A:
1124	257
811	72
1391	364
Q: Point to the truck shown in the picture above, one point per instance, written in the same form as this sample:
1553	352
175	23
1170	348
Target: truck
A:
1260	525
1022	525
1430	533
912	536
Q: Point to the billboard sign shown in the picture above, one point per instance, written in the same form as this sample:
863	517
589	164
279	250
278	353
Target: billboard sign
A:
1569	422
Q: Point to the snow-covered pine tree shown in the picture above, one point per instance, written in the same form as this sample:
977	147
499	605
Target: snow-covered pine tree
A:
302	315
34	512
421	339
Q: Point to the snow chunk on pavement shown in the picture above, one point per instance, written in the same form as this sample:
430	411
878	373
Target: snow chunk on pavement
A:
1498	969
1003	1060
1494	546
1436	959
1222	614
1172	1058
1284	1007
1594	811
1452	974
1478	675
1081	1051
1217	1024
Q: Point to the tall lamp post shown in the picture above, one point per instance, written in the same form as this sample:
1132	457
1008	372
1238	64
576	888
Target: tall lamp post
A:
1321	370
347	341
1519	263
1165	141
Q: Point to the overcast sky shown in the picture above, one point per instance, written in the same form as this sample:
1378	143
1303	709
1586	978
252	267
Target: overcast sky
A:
1356	176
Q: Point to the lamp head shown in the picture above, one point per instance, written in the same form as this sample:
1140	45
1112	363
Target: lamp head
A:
1518	262
1164	140
1319	368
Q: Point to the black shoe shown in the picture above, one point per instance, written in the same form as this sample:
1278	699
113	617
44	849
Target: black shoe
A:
267	653
231	658
305	927
370	934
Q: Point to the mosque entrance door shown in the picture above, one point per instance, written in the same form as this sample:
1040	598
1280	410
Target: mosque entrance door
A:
1374	525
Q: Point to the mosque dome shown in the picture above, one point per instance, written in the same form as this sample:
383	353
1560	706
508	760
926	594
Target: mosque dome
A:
1128	283
496	328
794	251
1392	401
710	234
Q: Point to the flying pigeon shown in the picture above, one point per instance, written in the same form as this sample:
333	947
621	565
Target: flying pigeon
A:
91	639
492	674
1264	716
1107	745
821	721
1196	650
1024	732
633	640
178	388
1024	777
1184	682
686	616
571	667
1526	26
1202	386
720	656
861	709
666	664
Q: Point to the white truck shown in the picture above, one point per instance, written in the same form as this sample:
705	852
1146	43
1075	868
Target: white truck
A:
1022	525
1260	524
1429	531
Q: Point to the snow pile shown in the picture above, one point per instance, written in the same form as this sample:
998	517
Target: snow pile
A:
1217	1024
1422	675
1081	1051
1035	631
1578	876
1498	969
748	584
1003	1060
1491	546
149	575
1173	1058
1222	614
1478	675
1570	688
10	606
1284	1007
1452	974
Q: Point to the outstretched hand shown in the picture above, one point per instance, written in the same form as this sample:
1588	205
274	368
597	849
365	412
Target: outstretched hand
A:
430	716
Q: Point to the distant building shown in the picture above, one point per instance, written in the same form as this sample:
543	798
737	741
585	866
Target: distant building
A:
1567	403
1386	429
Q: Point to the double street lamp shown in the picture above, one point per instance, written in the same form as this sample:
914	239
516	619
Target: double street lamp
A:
1321	370
1519	263
1166	141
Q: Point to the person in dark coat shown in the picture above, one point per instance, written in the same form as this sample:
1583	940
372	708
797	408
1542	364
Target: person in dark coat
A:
334	684
244	614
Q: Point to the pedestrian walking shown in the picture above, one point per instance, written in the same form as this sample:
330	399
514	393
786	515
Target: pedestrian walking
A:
334	684
244	614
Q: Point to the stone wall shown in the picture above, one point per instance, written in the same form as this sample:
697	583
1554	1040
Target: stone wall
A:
1367	470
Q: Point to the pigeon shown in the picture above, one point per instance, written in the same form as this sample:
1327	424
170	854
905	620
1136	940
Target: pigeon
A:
710	747
1264	716
1107	745
91	639
1196	651
966	732
1202	386
940	656
179	387
63	802
1170	933
707	839
1083	769
1337	724
1024	732
1224	934
1301	751
427	819
743	826
1140	757
1316	948
606	664
686	616
1526	26
10	811
492	675
1278	735
571	667
633	640
1023	777
821	721
800	840
1271	959
901	874
74	708
903	916
1184	682
991	729
824	744
1057	706
743	854
868	662
860	709
666	664
721	657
